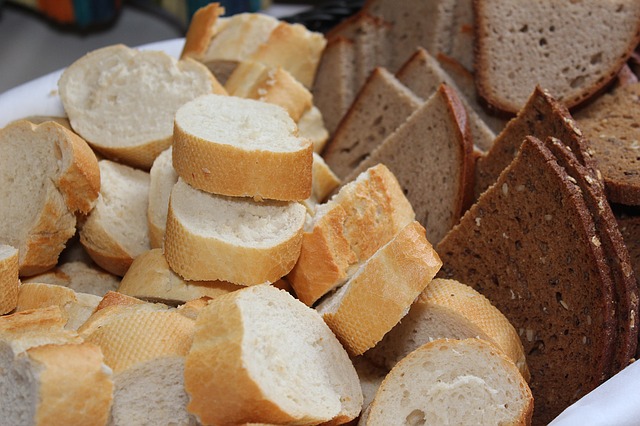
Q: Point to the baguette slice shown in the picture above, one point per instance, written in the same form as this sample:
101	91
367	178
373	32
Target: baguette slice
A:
162	177
80	277
381	291
9	280
266	357
126	119
241	147
49	173
453	382
117	231
312	127
324	182
36	327
210	237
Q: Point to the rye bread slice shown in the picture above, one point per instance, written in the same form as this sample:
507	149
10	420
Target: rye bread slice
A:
630	229
612	129
530	246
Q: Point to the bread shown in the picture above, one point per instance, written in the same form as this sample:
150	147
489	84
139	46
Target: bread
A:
298	372
347	230
630	230
49	174
371	377
324	182
150	278
448	309
379	293
203	26
80	277
431	155
9	280
610	127
162	177
530	246
571	63
116	231
453	382
312	127
241	147
126	119
381	106
36	327
210	237
462	34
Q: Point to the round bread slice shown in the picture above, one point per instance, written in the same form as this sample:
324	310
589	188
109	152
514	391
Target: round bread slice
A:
9	280
162	177
263	356
453	382
210	237
122	101
80	277
241	147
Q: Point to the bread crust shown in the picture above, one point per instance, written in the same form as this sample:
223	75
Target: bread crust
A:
9	280
201	30
103	249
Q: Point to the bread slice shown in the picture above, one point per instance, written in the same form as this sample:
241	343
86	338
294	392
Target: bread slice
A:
611	129
283	361
80	277
453	382
431	155
551	32
347	230
324	182
530	246
629	226
371	377
448	309
117	231
150	278
36	327
381	106
311	126
9	280
241	147
48	173
463	35
162	177
379	293
210	237
126	119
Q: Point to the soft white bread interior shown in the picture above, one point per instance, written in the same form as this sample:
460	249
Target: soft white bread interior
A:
380	292
48	173
110	96
117	231
79	276
150	278
211	237
285	363
241	147
9	279
324	182
453	382
162	177
311	126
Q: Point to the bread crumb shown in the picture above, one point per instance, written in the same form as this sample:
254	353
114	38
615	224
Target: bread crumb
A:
589	179
564	304
478	220
572	180
595	241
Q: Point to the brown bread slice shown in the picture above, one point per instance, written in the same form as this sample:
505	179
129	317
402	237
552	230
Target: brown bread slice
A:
530	246
612	129
573	48
382	105
431	154
462	33
630	230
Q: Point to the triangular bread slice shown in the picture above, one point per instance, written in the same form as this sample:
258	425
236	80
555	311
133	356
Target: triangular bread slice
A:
9	279
530	246
162	177
381	106
431	155
285	364
453	382
571	63
379	293
79	276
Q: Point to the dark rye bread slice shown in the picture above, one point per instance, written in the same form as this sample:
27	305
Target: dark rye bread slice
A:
572	48
528	246
541	117
630	229
614	249
431	155
382	105
611	126
422	75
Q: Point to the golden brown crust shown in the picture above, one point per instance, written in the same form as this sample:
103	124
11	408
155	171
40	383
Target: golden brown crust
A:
103	249
201	30
9	280
115	298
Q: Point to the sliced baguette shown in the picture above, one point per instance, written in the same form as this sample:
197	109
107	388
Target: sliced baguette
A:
312	127
36	327
324	182
80	277
162	177
9	279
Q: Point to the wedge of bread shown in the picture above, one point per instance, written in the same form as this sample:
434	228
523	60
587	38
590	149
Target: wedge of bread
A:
283	361
49	174
79	276
241	147
211	237
162	177
324	182
311	126
125	118
9	279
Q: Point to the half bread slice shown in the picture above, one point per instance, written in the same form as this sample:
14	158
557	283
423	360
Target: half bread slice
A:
162	177
9	279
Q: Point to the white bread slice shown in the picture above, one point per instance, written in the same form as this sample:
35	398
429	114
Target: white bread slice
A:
520	45
324	182
381	291
241	147
117	231
211	237
283	361
111	98
79	276
162	177
150	278
371	377
9	280
36	327
48	174
452	310
347	230
453	382
311	126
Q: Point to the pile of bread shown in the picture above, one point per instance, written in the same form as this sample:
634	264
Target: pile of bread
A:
284	227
